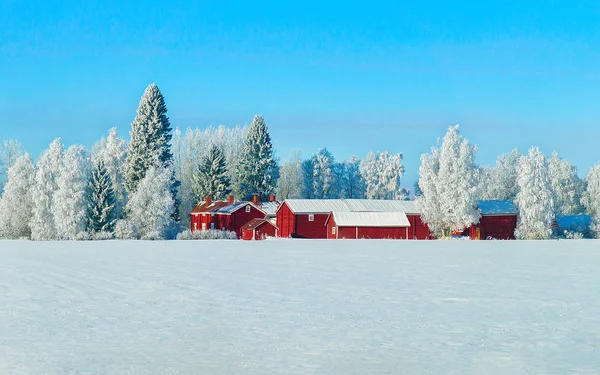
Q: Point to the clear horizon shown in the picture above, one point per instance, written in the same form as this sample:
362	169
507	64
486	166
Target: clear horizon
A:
350	78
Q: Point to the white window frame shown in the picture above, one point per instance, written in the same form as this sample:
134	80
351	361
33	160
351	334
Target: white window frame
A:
311	217
248	208
333	229
212	225
203	226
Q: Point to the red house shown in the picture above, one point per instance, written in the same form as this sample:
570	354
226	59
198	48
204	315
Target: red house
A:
372	225
498	221
225	215
306	218
258	229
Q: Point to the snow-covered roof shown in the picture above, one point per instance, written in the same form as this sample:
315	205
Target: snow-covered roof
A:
370	219
302	206
497	207
573	221
380	205
270	208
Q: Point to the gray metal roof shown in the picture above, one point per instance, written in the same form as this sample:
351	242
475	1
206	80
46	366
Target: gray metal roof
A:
371	219
303	206
497	207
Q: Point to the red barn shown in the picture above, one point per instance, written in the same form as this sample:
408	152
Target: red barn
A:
258	229
373	225
498	220
224	215
306	218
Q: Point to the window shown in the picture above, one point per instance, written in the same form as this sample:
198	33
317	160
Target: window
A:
248	208
195	226
311	217
203	226
332	230
212	225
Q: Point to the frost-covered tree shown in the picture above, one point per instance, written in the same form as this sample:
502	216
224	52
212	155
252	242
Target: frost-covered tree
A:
591	197
70	202
211	178
151	206
535	197
382	173
308	178
150	138
112	151
257	171
44	187
417	190
10	151
323	176
567	187
448	180
500	182
191	146
291	181
16	204
353	182
102	213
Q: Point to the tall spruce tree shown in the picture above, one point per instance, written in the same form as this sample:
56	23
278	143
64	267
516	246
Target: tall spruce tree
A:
150	143
102	213
257	171
211	177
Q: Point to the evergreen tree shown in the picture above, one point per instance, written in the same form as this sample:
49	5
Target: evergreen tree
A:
112	151
354	184
211	178
308	178
535	198
323	174
16	204
151	206
102	213
43	190
70	203
150	137
257	171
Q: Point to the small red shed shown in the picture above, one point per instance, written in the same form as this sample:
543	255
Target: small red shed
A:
372	225
498	220
224	215
258	229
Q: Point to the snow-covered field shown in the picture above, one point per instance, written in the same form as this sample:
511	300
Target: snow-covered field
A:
300	307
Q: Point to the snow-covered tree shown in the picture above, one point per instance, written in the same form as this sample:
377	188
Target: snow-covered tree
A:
382	173
567	187
535	197
102	214
151	206
190	147
257	171
448	181
16	204
44	187
10	151
70	202
354	184
308	178
150	138
500	182
211	178
591	197
323	177
112	150
291	181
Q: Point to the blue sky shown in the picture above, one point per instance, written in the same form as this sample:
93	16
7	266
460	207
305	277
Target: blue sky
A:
351	77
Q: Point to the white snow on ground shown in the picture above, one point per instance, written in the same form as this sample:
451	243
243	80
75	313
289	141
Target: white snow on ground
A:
300	307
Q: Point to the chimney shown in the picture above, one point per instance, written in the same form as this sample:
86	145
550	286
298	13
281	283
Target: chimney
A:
256	199
231	199
272	197
208	200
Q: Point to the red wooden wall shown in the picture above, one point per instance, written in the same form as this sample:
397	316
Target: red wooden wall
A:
498	227
310	229
418	230
286	221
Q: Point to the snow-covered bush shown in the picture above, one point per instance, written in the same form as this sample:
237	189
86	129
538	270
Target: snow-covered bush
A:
212	234
153	236
573	235
102	236
81	236
126	230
